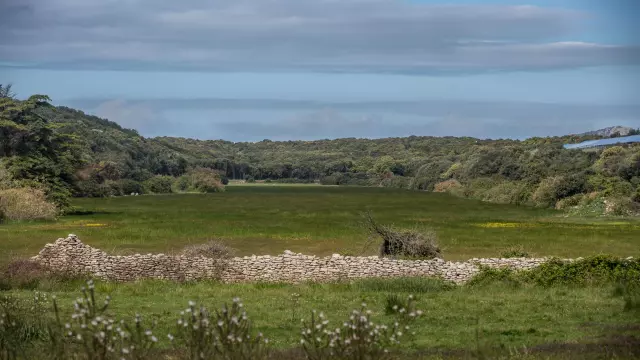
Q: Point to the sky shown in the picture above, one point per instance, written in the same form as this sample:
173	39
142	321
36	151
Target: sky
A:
248	70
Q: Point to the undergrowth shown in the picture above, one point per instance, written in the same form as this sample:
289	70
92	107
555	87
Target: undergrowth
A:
593	270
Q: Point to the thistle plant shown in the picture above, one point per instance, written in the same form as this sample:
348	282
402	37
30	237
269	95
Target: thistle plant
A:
359	338
94	335
223	335
295	303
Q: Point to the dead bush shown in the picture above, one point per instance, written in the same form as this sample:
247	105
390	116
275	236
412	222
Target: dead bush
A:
26	204
213	249
22	274
404	242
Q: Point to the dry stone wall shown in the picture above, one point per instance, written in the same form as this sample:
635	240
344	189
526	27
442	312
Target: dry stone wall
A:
70	255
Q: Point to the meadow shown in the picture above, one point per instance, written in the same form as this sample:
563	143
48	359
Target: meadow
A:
546	321
320	220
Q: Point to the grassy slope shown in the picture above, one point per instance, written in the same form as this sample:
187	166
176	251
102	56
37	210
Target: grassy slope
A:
319	220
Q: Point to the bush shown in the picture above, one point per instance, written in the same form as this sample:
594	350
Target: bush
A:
159	184
26	204
92	188
202	180
22	274
621	206
400	242
129	186
514	252
592	270
488	276
570	201
447	186
213	249
508	192
329	180
398	182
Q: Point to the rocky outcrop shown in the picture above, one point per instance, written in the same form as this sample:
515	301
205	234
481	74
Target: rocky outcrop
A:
72	256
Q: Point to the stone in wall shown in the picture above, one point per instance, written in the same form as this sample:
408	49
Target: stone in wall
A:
70	255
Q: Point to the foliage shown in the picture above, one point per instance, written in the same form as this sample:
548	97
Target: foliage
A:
159	184
212	249
537	170
199	179
514	252
26	204
409	243
33	150
447	186
593	270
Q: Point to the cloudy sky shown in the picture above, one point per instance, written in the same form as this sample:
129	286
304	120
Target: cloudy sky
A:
246	70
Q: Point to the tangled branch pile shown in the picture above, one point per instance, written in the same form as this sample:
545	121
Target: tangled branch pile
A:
404	242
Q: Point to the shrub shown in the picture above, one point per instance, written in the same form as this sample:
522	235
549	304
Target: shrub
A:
398	182
447	186
92	188
212	249
570	201
329	180
591	270
22	274
203	180
514	252
621	206
545	194
26	204
601	269
508	192
159	184
129	186
409	243
488	276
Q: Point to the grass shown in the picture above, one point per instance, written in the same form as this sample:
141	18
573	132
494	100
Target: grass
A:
553	322
460	318
319	220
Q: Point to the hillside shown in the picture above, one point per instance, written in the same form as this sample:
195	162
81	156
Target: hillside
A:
610	131
115	160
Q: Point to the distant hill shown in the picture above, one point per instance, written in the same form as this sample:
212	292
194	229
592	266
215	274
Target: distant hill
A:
109	159
609	131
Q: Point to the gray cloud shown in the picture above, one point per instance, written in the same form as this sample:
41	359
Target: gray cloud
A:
138	116
253	120
297	35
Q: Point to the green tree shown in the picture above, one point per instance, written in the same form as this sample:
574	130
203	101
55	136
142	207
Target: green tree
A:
33	151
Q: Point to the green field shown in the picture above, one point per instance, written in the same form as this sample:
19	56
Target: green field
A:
556	322
320	220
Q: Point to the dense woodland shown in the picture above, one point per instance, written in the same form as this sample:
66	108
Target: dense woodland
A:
64	152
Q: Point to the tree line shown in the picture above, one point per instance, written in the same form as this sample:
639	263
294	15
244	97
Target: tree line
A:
67	153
